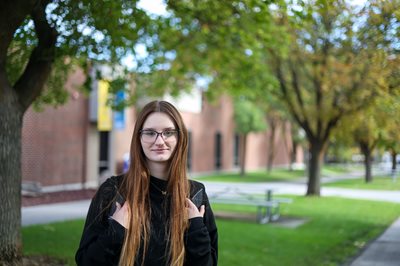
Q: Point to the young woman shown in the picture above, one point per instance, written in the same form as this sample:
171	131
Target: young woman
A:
148	216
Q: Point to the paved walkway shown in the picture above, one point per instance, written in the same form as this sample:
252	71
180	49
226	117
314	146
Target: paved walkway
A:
384	251
43	214
301	189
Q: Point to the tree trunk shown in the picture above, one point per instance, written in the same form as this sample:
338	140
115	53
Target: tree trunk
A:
394	160
367	152
293	155
368	167
242	149
287	143
10	177
315	165
14	101
271	151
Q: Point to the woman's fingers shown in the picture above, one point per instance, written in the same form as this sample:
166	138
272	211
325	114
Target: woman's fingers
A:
118	206
193	211
190	203
121	214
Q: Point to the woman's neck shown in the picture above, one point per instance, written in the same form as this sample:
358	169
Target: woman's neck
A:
158	169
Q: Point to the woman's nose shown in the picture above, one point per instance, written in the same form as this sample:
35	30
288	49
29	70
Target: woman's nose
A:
159	140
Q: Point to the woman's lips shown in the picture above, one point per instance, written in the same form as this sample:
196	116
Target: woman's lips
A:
160	150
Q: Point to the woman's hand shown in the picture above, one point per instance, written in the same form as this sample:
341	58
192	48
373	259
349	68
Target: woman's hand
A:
193	211
121	215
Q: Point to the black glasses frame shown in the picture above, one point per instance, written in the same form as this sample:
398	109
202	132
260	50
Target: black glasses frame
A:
158	133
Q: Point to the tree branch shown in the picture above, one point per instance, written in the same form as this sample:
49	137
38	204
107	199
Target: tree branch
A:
331	125
295	84
31	83
286	98
318	81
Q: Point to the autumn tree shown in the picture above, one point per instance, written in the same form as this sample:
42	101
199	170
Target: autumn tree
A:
372	128
367	135
390	137
332	57
379	125
384	19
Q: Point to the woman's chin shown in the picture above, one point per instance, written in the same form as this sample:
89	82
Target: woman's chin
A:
160	158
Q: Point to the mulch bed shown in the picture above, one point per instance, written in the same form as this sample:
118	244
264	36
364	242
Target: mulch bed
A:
57	197
37	260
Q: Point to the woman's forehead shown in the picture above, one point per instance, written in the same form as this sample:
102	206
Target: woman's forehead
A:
158	120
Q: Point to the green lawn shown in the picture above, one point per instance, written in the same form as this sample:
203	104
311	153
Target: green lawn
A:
276	175
58	240
378	183
262	176
335	169
335	230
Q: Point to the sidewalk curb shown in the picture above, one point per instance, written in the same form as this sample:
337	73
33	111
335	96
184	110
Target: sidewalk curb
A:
384	250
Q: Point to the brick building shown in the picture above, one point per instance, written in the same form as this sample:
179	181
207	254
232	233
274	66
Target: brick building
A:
62	147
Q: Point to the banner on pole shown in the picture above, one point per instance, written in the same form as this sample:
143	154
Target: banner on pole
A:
104	111
119	116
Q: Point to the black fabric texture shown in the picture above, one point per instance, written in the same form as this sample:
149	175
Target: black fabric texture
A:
102	237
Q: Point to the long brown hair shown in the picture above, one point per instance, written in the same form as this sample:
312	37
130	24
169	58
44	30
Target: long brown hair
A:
135	188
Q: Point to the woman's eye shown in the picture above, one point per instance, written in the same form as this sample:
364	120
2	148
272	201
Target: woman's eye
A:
168	133
149	133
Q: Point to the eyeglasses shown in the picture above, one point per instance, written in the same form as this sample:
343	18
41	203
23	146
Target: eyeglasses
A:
150	136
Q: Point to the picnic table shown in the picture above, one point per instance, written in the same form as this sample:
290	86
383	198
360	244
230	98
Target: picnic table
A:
268	207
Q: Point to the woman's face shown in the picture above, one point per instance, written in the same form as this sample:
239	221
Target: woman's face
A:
158	137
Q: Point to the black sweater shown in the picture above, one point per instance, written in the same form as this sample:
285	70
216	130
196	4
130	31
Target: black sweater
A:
102	237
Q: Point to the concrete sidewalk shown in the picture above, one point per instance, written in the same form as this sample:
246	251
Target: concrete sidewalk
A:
384	251
48	213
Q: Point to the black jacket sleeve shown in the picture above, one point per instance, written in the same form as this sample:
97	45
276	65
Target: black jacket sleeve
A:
202	237
102	237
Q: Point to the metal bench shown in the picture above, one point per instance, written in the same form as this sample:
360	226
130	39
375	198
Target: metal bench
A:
31	189
267	208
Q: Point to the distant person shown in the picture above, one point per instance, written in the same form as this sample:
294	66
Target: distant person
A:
152	215
126	162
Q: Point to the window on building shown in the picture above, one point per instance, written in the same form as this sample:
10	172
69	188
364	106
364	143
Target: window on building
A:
218	151
104	151
236	150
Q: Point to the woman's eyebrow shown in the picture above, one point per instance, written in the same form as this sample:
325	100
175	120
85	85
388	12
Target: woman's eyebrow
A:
166	128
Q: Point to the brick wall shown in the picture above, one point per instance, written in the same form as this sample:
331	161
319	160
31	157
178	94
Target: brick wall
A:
53	141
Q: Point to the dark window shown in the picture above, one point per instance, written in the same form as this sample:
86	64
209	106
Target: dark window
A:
218	151
236	150
189	157
104	151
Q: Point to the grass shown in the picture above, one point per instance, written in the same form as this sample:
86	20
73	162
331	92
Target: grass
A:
378	183
59	240
251	177
335	169
276	175
336	230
